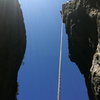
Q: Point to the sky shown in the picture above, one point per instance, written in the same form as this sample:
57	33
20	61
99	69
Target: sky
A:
38	74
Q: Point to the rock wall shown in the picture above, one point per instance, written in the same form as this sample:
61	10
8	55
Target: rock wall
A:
81	18
12	47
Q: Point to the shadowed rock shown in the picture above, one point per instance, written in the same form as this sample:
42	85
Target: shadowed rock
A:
12	47
81	18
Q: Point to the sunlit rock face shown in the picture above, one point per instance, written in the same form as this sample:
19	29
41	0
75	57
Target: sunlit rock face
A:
95	72
82	21
12	47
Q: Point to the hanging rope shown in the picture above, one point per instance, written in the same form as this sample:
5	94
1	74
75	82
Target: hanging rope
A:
60	65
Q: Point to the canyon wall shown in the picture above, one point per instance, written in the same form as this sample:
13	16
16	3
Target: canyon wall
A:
82	21
12	47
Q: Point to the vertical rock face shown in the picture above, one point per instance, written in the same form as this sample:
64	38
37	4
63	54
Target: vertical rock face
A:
82	21
12	47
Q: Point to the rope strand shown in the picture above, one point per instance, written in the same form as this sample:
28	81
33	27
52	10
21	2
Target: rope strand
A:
60	65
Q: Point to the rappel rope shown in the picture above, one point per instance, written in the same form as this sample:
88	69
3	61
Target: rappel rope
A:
60	65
